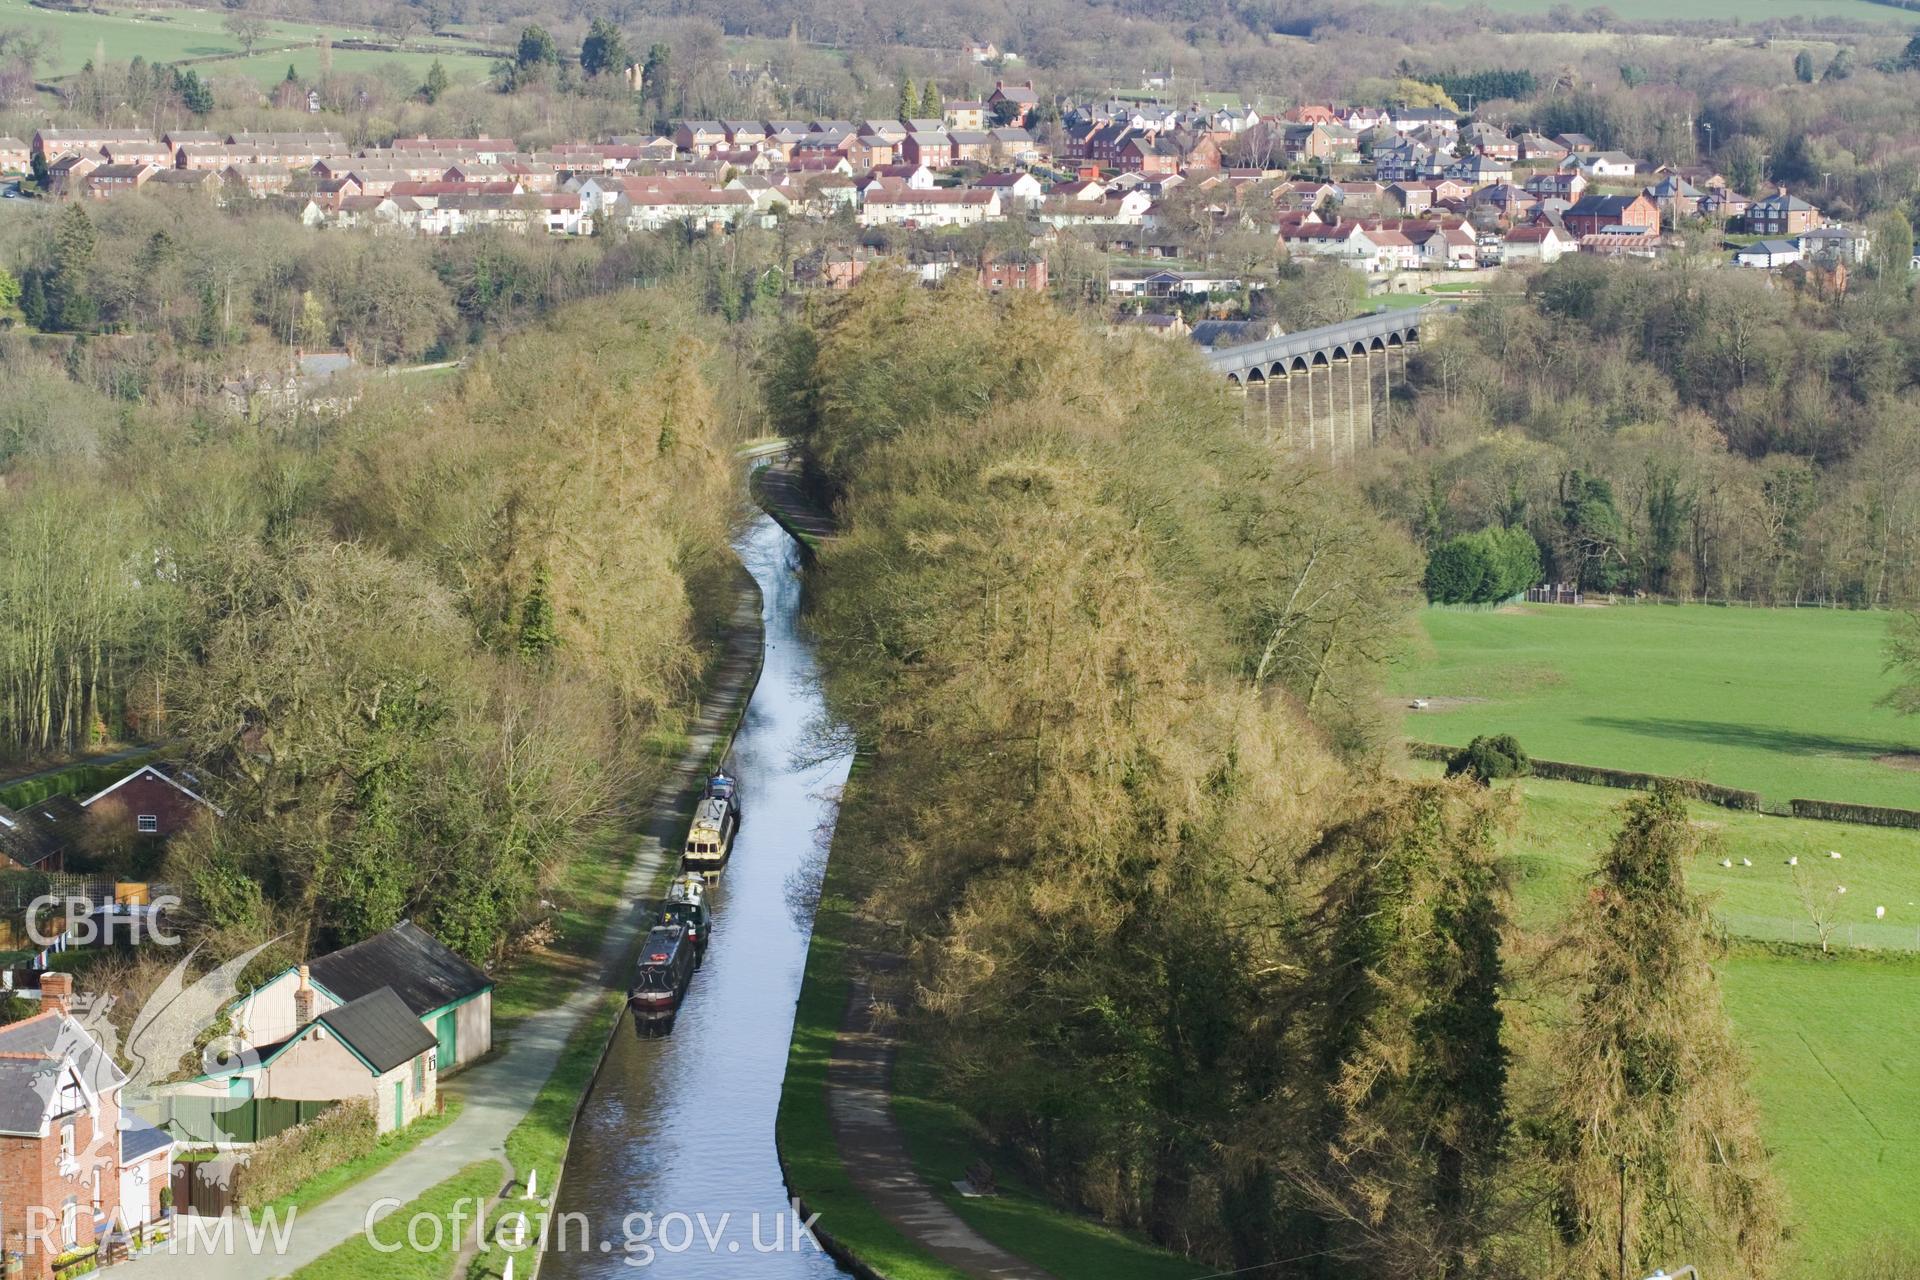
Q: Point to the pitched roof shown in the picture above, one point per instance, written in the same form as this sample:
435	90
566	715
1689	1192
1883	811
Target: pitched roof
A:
380	1028
35	1055
423	971
138	1138
176	775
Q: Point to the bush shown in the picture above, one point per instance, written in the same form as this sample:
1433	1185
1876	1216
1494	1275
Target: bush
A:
281	1164
1483	568
1488	757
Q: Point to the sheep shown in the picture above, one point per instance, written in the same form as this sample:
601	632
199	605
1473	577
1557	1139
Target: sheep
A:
1834	854
1794	861
1746	862
1879	913
1726	862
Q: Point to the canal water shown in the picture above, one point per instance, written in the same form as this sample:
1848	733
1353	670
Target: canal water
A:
672	1168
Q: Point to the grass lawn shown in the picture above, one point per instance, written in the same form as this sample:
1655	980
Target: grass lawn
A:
388	1149
1779	701
1836	1050
1564	826
460	1195
1395	301
1834	1041
170	35
406	69
1750	11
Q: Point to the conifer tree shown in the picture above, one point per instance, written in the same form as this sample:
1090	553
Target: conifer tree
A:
1652	1142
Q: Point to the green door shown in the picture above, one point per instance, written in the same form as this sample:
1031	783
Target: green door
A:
399	1104
447	1032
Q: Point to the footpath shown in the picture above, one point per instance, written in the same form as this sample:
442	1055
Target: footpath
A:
860	1070
499	1092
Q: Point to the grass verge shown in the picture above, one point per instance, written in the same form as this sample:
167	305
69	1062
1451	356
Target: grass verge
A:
332	1182
943	1141
804	1133
359	1257
538	1144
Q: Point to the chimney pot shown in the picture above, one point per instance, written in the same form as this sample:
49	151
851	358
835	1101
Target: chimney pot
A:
56	992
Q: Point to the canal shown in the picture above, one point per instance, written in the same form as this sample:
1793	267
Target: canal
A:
672	1165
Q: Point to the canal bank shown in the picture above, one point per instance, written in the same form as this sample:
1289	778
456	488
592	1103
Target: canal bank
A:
538	1148
864	1138
672	1164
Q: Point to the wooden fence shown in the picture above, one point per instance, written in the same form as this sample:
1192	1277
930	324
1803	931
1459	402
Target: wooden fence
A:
205	1188
223	1121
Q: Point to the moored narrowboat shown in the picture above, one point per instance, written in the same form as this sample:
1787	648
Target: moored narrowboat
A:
710	837
665	969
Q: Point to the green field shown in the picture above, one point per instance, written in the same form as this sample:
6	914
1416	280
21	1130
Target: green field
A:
1779	701
400	68
1834	1040
1745	11
171	35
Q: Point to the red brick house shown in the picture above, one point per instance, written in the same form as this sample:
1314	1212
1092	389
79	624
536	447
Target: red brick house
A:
1145	153
72	1167
1026	272
157	799
1591	215
1019	99
934	150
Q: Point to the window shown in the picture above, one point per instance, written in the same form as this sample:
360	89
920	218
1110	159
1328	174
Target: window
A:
148	823
66	1139
70	1223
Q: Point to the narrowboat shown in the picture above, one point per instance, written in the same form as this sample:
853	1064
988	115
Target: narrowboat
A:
686	905
710	837
660	982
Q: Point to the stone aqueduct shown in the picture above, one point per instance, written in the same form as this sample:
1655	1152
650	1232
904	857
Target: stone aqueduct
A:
1314	391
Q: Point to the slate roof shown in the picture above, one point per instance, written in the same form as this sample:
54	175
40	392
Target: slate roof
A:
423	972
138	1138
27	841
380	1028
32	1055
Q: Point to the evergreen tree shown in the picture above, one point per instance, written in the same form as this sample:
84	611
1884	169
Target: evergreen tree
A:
1651	1140
193	92
654	76
74	239
436	83
604	50
1841	68
909	103
931	106
1415	1118
535	52
33	301
1803	67
538	636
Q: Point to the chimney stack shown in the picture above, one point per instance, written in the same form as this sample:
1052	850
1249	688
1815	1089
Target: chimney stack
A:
56	992
303	1000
